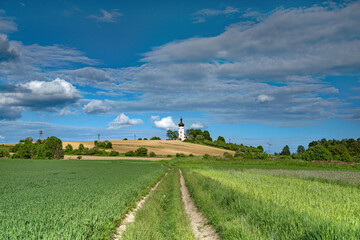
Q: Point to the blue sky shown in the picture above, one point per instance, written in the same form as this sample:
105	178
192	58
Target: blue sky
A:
255	72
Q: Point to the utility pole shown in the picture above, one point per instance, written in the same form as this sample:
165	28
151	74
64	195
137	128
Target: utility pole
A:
269	150
134	136
41	135
98	137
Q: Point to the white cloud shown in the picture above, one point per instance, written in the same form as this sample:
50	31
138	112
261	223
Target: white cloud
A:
66	111
7	24
123	121
155	118
96	107
198	126
36	95
2	137
165	123
264	98
106	16
201	15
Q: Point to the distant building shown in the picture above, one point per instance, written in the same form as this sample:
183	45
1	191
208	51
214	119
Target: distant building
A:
182	135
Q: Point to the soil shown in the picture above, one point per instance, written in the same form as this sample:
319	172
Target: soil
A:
130	216
202	230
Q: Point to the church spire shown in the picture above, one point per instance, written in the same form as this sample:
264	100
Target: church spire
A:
181	123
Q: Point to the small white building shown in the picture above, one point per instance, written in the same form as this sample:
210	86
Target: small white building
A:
182	135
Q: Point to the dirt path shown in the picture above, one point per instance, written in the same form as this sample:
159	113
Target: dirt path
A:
202	230
130	216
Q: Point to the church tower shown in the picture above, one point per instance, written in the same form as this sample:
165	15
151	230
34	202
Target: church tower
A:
182	135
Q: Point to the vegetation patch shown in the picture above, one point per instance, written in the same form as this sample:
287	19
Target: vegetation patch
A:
47	199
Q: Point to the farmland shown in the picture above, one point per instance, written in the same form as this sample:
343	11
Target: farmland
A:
260	205
69	199
241	199
160	147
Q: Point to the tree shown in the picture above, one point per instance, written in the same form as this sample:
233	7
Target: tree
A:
125	139
313	144
200	138
141	151
172	135
318	152
260	148
81	147
346	157
55	146
300	149
30	139
155	138
220	139
285	151
69	148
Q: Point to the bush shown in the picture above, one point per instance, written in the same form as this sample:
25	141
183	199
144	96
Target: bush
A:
125	139
141	152
318	152
130	154
155	138
206	156
79	157
4	153
152	154
179	155
227	155
191	155
68	149
113	153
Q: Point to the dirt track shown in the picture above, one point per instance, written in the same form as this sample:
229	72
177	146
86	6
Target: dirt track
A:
160	147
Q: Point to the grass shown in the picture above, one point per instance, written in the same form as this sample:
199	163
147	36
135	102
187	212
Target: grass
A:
162	215
49	199
249	205
278	163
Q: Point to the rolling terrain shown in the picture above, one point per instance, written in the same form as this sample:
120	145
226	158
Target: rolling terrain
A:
160	147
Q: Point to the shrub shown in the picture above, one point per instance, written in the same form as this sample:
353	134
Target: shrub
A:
130	154
141	151
145	139
113	153
206	156
68	149
180	155
139	138
227	155
4	153
152	154
125	139
200	138
155	138
81	147
318	152
79	157
191	155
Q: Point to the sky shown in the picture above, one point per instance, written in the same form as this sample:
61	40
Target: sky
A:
282	72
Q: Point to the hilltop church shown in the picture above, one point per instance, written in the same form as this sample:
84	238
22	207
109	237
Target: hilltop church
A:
182	135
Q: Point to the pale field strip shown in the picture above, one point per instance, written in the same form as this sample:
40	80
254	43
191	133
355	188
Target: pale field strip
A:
202	230
130	216
86	157
159	147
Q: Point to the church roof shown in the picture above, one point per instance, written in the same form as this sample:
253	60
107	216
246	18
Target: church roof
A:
181	123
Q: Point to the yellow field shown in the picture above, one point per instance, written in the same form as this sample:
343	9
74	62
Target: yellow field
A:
160	147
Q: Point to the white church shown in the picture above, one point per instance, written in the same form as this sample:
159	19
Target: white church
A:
182	135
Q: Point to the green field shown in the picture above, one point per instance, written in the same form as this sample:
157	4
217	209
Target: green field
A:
49	199
261	205
246	199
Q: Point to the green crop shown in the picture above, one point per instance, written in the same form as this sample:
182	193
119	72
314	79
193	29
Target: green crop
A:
42	199
251	205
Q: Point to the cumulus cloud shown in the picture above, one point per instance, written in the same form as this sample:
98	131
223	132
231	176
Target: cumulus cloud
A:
96	107
155	118
2	137
6	52
123	121
262	98
198	126
201	15
165	123
66	111
36	95
106	16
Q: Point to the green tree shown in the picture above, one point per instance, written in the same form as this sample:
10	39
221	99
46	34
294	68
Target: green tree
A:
141	151
200	138
318	152
55	146
300	149
155	138
260	148
69	148
81	147
220	139
345	156
285	151
172	135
